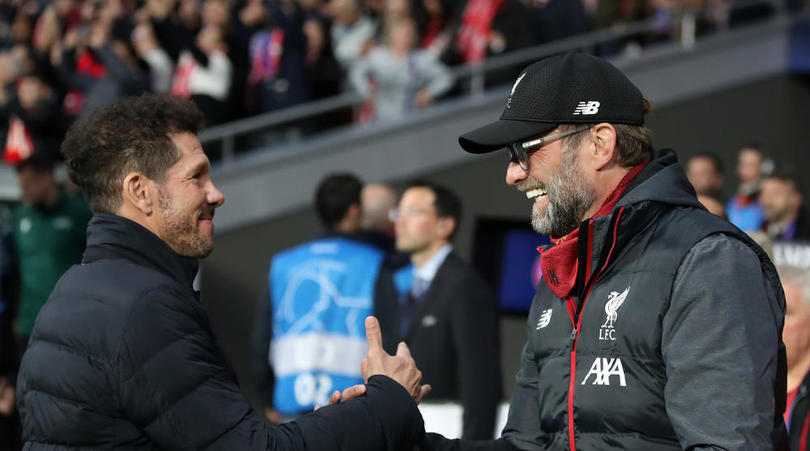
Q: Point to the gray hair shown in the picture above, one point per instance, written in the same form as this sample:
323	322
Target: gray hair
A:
796	276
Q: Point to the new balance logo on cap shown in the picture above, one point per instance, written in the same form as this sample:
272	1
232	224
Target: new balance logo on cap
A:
561	89
586	108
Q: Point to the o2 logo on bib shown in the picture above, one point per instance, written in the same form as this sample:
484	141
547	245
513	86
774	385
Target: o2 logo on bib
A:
311	389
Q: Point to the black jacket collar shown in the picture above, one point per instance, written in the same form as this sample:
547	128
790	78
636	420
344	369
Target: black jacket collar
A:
112	236
662	180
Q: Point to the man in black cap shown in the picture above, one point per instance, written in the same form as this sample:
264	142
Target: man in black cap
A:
634	341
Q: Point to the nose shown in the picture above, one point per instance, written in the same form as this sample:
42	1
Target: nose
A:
215	196
514	173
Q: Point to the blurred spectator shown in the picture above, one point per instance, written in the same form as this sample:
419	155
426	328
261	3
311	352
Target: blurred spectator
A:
448	318
96	61
785	216
433	21
49	236
705	173
557	19
352	31
397	78
796	336
240	58
324	74
203	72
309	334
278	60
614	14
744	210
491	27
31	112
186	45
714	206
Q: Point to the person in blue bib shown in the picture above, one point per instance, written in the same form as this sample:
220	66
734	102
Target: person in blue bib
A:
309	337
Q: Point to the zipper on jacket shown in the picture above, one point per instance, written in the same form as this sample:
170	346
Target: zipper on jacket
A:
576	319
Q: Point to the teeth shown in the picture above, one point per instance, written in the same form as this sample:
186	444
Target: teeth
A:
539	192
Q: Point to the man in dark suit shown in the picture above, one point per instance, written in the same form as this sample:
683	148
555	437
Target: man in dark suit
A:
448	319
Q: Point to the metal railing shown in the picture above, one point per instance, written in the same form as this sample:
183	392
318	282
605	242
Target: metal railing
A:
472	78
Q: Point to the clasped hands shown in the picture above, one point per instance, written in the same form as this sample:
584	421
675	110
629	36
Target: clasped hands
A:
399	367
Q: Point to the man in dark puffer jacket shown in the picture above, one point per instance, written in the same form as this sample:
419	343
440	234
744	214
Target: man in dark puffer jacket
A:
122	355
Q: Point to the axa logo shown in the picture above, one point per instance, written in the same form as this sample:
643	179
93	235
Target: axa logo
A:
545	318
587	108
517	82
615	300
603	369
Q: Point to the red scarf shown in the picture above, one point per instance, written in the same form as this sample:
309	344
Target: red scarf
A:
559	263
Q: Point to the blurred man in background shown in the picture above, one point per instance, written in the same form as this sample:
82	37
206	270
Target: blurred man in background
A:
744	209
448	318
49	236
376	201
308	337
705	173
796	335
782	203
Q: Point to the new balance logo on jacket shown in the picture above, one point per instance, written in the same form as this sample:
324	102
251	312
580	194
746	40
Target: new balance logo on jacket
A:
545	318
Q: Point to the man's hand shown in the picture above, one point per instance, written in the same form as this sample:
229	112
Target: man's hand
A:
399	367
7	397
423	98
350	393
273	416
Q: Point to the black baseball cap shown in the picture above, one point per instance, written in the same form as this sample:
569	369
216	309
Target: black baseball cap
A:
563	89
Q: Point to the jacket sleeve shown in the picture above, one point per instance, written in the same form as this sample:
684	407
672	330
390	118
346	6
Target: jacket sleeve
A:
177	387
474	324
436	442
720	347
522	428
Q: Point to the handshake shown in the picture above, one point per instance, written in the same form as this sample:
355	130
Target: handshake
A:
400	367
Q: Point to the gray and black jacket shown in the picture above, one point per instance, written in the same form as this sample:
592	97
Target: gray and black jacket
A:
671	340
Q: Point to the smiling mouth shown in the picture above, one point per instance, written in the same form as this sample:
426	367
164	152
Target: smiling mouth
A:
536	194
207	215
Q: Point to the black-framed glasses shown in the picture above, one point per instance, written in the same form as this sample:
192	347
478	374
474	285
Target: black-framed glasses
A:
519	151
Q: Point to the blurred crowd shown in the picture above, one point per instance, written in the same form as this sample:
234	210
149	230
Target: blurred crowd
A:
236	58
768	201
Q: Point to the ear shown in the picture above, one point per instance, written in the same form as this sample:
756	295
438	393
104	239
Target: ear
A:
604	138
138	192
445	226
353	213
